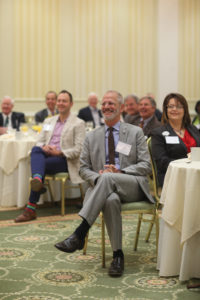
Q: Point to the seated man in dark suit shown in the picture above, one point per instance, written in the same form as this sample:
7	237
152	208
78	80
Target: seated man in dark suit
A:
158	113
91	113
148	119
50	111
131	107
9	118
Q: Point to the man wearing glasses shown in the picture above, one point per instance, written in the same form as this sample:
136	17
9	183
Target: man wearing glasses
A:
115	162
176	136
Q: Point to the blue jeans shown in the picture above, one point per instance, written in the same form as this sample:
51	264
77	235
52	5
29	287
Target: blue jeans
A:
43	164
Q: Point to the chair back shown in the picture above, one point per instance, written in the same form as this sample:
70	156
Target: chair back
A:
154	172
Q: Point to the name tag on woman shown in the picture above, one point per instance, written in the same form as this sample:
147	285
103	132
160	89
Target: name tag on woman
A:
172	140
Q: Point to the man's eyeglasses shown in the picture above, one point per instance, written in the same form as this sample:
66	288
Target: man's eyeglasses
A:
107	103
179	107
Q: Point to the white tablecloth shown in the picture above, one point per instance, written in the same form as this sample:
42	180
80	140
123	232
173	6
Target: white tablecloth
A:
14	170
179	242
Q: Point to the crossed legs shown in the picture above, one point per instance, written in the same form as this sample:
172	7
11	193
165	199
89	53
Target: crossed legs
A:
41	164
111	189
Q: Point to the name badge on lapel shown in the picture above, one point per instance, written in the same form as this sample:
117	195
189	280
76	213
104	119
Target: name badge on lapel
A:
123	148
172	140
47	127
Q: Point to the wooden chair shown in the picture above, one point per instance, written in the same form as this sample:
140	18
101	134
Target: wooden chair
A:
62	177
142	209
156	193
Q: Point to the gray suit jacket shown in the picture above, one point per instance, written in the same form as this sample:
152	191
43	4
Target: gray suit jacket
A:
137	163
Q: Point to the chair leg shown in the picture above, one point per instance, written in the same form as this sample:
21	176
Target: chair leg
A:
85	245
30	185
138	231
157	232
62	197
103	241
50	191
150	229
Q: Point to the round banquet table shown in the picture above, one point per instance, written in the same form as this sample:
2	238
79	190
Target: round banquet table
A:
179	239
15	169
15	172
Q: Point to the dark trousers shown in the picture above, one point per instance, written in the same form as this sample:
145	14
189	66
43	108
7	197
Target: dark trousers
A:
43	164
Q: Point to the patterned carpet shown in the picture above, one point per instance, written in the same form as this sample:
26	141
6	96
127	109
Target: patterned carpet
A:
32	269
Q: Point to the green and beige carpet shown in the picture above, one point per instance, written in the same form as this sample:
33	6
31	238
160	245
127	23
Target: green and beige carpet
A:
31	268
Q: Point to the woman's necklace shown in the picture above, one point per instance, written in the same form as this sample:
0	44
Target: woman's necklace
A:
179	132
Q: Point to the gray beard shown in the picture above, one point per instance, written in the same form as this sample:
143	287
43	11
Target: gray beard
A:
113	116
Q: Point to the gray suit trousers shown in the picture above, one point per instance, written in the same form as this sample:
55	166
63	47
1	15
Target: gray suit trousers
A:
111	190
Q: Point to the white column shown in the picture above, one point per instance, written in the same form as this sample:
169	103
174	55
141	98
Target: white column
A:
167	48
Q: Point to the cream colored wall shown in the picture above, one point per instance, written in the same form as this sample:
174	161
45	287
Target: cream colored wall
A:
112	45
7	48
189	50
179	49
93	45
167	48
81	45
37	43
37	51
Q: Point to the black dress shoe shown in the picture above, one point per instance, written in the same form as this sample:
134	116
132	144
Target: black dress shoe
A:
117	267
71	244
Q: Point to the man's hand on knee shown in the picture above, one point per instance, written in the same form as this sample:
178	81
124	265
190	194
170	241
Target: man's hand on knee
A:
110	169
51	150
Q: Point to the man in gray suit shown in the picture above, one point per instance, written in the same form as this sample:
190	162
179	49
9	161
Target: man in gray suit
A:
115	162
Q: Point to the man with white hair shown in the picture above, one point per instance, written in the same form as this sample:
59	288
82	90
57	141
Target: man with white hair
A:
115	162
91	113
9	118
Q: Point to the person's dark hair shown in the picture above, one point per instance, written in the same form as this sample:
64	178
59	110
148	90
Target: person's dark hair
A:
66	92
186	118
196	105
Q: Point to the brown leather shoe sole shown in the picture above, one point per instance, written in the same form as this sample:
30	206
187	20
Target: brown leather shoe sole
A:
26	216
36	185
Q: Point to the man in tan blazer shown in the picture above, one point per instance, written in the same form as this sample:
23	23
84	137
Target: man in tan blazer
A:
57	150
115	162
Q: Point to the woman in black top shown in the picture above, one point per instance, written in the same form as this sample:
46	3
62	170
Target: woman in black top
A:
174	139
